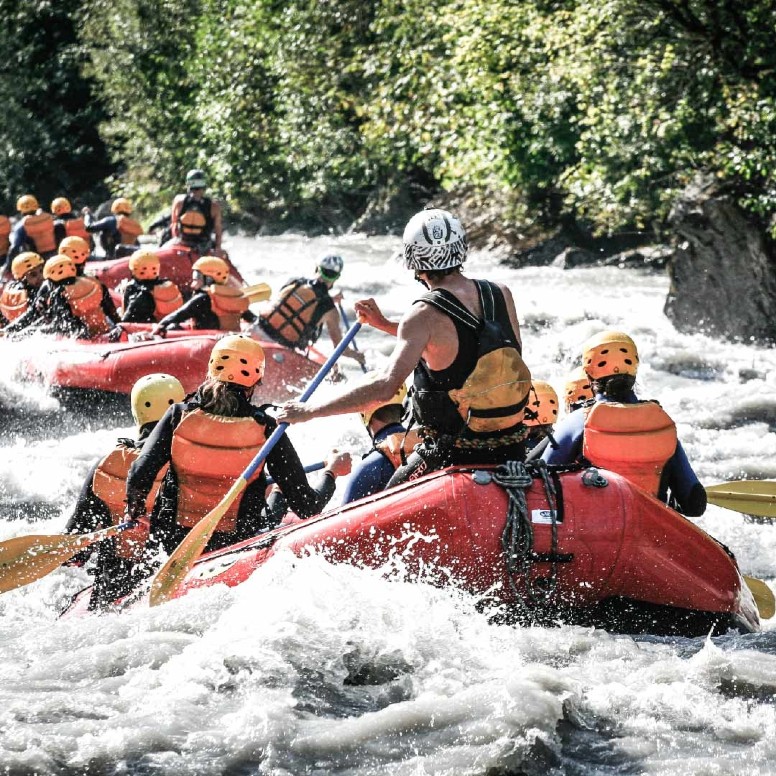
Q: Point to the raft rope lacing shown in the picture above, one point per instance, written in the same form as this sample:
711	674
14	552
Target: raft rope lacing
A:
517	538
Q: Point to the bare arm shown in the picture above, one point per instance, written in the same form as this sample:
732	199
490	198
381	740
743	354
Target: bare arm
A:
218	228
332	322
368	312
510	302
175	214
412	337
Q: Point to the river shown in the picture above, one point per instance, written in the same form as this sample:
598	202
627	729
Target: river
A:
314	669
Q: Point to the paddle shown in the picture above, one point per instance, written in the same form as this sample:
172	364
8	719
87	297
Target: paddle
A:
28	558
763	597
752	497
259	292
168	578
311	467
346	322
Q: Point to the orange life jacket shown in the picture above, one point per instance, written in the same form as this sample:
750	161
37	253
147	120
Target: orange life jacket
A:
209	452
40	231
5	235
228	303
109	484
129	229
75	227
396	447
633	440
13	301
167	299
85	300
293	319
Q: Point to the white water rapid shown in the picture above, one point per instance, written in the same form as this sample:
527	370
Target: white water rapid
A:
310	668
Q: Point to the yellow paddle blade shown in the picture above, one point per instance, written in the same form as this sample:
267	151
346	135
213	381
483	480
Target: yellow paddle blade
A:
26	559
752	497
763	597
259	292
186	553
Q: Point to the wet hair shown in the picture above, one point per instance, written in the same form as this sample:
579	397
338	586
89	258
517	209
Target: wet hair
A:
435	274
219	398
614	387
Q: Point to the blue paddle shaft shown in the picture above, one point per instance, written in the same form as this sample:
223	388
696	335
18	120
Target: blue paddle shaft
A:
308	392
345	320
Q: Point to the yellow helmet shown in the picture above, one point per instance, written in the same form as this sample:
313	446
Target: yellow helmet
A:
144	265
59	268
76	248
610	353
212	267
237	359
121	206
23	263
192	222
27	204
152	395
542	407
578	389
61	206
398	398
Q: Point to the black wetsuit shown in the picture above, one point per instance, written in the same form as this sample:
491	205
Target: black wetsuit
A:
139	303
200	310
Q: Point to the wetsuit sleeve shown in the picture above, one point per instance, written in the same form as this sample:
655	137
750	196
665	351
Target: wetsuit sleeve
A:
108	305
59	318
60	231
369	476
249	316
90	512
197	307
17	243
568	434
138	307
686	489
285	467
157	451
108	224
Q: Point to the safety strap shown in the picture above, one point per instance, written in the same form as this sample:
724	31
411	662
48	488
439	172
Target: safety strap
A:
450	304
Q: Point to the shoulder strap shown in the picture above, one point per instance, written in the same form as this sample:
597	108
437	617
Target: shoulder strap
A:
449	304
485	287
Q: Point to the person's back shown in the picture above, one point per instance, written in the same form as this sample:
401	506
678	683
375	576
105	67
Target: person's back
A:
148	298
34	230
67	223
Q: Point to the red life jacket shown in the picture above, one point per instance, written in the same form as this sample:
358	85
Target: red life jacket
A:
109	484
75	227
129	229
5	235
85	300
13	301
633	440
40	231
228	303
209	453
167	299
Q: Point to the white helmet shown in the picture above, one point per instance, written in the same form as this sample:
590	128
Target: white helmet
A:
330	266
434	239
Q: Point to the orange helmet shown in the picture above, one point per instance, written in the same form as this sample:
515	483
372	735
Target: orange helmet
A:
23	263
59	268
212	267
192	223
121	206
61	206
237	359
610	353
27	204
542	407
578	389
76	248
144	265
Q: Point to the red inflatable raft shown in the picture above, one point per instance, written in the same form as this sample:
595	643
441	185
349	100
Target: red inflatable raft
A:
114	367
620	559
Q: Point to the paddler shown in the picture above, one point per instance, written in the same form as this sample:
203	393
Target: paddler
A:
68	223
541	414
578	390
147	297
208	440
214	304
34	231
624	434
205	231
462	340
101	502
18	295
118	230
304	306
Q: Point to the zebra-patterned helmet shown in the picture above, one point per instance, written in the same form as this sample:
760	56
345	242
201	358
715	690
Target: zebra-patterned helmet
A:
434	239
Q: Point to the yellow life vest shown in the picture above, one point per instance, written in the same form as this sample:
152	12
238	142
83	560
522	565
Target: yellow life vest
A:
129	229
13	301
228	303
85	300
167	299
396	447
40	230
109	484
209	452
633	440
5	235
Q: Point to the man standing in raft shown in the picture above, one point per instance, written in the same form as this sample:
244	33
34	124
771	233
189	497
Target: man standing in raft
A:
462	340
619	432
304	306
195	201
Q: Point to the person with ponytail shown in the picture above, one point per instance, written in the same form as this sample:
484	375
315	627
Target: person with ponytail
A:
624	434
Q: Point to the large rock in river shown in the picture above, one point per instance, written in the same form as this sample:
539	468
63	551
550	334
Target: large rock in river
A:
723	271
